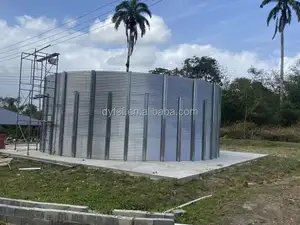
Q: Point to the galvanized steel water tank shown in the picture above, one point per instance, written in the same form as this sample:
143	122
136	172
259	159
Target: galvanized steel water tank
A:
78	101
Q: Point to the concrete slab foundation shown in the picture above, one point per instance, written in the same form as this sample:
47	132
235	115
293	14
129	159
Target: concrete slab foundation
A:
186	170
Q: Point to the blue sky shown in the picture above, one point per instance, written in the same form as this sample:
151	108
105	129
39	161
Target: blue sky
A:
234	25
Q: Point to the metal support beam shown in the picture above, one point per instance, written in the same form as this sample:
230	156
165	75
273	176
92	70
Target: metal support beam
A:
219	122
108	125
127	118
179	127
63	115
53	116
212	120
45	124
91	116
75	123
203	141
145	129
193	120
163	121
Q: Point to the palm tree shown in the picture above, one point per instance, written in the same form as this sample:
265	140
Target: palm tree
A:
282	14
131	13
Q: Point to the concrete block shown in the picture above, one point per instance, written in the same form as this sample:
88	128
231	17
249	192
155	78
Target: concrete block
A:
51	215
43	205
160	215
163	221
79	218
13	220
29	213
152	221
8	210
25	221
142	214
133	213
40	222
2	218
125	220
2	210
142	221
108	220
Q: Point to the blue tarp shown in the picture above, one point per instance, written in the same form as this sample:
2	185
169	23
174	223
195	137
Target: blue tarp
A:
8	117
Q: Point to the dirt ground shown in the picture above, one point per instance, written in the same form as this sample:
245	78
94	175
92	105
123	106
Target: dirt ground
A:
272	204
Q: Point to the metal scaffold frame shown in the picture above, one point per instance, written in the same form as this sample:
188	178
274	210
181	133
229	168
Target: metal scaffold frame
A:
35	67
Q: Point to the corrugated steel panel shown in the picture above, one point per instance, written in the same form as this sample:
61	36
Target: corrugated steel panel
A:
155	89
117	83
140	84
77	81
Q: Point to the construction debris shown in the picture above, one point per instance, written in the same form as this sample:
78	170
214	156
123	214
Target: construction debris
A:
188	203
5	162
31	168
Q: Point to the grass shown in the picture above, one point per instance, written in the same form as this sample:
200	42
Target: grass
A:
281	149
104	191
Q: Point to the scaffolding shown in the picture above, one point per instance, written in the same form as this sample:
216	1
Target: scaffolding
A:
34	98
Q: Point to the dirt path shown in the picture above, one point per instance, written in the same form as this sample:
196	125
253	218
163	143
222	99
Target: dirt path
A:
272	204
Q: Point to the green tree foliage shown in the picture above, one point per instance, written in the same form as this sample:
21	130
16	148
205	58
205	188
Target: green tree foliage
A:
131	14
204	68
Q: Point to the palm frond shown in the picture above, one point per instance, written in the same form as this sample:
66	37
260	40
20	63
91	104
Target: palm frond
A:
118	17
141	23
141	7
265	2
273	14
296	6
125	5
288	15
276	29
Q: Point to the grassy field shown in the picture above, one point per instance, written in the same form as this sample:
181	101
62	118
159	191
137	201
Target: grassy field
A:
232	188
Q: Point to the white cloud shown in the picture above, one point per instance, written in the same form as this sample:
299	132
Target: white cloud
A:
84	54
70	22
104	32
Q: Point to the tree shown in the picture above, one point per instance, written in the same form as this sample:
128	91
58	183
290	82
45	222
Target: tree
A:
282	14
204	68
131	14
162	71
9	103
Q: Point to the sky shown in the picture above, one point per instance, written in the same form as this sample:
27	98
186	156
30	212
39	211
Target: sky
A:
234	32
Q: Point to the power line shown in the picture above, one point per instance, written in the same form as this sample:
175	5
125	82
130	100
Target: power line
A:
11	56
53	35
63	24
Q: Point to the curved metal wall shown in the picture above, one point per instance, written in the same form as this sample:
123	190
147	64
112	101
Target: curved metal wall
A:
83	129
